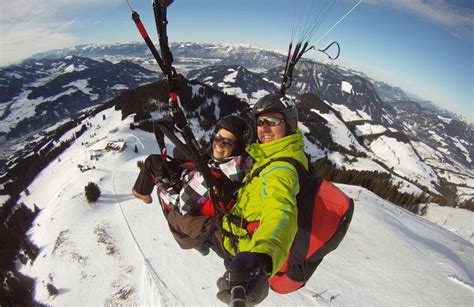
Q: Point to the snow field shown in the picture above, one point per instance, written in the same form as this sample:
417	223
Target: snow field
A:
390	150
120	251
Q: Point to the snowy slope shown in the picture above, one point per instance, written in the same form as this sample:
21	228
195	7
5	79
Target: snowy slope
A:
119	250
234	80
31	86
403	159
452	171
350	115
339	132
459	221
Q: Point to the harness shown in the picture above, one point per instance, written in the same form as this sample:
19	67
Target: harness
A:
177	122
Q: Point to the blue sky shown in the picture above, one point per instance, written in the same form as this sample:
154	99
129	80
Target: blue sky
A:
426	47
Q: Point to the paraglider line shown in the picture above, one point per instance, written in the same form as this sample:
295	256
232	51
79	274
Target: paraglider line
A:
342	18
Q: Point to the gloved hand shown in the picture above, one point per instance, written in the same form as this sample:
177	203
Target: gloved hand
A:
246	270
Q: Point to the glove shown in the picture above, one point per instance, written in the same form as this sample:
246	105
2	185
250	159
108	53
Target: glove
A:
245	270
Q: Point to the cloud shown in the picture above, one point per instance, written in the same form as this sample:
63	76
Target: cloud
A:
31	26
457	19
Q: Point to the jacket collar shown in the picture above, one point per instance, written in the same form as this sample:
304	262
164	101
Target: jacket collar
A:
281	147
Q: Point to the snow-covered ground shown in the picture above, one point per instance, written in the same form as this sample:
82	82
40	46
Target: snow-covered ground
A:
459	221
349	115
3	199
369	129
339	131
403	159
119	250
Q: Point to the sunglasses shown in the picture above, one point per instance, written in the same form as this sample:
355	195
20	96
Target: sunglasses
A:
219	138
271	121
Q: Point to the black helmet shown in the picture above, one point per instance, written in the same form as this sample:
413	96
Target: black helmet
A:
239	127
280	104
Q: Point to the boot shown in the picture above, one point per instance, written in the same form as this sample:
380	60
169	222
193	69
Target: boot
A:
145	198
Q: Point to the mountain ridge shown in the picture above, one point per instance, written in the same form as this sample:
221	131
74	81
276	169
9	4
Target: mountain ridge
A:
220	55
356	109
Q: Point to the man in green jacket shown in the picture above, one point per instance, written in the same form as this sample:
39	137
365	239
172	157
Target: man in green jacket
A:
259	229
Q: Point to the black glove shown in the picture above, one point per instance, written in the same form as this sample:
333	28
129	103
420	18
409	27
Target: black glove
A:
247	270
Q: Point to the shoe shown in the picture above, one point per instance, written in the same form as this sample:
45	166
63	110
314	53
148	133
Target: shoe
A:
145	198
203	250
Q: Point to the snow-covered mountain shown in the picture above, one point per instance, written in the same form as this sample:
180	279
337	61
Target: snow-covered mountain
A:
234	80
361	127
39	93
186	55
190	56
422	149
119	250
193	55
452	136
386	91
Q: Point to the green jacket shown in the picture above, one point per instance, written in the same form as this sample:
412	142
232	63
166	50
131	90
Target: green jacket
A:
269	198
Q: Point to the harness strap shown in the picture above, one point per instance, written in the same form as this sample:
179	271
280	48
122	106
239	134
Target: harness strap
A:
243	223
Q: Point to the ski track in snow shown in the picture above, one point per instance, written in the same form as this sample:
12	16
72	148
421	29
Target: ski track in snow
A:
139	141
166	296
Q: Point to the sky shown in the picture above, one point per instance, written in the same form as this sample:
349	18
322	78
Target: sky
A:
119	251
426	47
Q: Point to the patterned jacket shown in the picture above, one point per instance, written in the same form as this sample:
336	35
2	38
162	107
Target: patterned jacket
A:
193	196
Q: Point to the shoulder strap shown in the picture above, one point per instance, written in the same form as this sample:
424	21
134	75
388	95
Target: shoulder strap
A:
299	167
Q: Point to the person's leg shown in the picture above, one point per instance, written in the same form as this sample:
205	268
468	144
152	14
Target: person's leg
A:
217	245
198	232
189	231
144	184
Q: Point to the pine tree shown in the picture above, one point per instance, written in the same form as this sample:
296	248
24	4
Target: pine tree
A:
92	192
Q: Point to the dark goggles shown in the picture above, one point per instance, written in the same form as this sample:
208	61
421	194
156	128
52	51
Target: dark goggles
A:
219	138
271	121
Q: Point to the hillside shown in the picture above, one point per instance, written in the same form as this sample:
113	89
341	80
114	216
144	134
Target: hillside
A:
118	250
